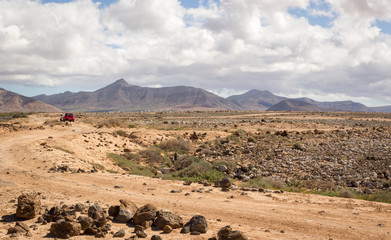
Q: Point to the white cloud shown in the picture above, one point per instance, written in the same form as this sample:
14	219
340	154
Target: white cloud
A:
156	16
229	47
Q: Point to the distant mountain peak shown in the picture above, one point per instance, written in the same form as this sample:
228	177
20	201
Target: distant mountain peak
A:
121	81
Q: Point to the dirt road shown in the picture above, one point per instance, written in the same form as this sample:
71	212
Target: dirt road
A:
27	156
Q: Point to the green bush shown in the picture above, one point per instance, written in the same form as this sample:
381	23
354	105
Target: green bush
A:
198	170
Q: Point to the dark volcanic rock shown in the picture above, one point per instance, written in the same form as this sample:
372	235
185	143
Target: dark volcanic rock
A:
29	206
96	212
85	222
123	213
197	223
226	233
145	213
165	217
225	182
65	229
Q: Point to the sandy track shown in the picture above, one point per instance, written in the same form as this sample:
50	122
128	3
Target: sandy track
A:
24	168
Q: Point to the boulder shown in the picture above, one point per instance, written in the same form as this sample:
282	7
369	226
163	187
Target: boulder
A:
124	216
141	234
96	212
197	223
113	211
29	206
226	233
225	182
52	214
127	204
64	229
85	222
165	217
123	213
145	213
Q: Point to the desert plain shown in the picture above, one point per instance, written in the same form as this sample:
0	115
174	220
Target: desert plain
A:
295	175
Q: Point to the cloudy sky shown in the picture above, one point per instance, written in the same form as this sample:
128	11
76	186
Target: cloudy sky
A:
323	49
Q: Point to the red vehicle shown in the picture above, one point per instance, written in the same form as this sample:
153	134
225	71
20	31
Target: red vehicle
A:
67	117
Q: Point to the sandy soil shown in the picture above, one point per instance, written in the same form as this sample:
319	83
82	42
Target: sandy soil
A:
26	157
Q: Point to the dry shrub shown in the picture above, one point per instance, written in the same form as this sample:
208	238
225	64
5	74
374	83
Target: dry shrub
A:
152	156
346	194
185	161
131	156
175	145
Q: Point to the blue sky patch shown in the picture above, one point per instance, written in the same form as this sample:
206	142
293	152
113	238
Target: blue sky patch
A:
384	26
317	13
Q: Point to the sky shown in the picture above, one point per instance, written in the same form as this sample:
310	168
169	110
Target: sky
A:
328	50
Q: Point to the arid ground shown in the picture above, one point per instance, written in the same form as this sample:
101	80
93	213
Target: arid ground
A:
68	163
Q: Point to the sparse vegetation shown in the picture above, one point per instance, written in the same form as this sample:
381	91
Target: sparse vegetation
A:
112	122
130	166
229	164
4	117
98	166
196	171
264	183
378	196
131	156
121	133
64	150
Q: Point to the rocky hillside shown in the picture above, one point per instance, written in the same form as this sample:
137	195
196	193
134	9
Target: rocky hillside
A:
382	109
121	96
295	105
256	100
13	102
307	104
265	100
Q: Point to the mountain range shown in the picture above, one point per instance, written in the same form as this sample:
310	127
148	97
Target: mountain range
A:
122	96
